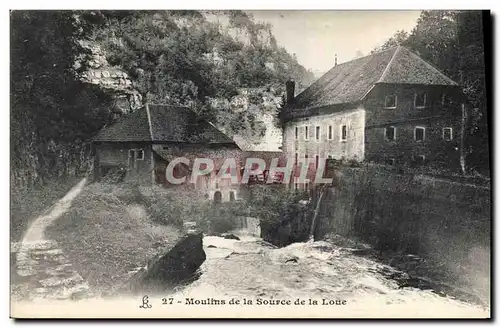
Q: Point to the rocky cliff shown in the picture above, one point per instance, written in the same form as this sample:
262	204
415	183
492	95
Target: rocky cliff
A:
248	115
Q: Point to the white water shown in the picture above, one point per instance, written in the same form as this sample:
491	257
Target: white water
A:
251	269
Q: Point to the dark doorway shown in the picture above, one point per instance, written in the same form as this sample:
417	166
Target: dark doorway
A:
231	196
217	197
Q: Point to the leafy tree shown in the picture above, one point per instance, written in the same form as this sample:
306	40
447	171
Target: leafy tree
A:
397	39
52	112
184	58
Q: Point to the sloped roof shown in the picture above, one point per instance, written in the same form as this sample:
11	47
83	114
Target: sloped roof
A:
132	127
180	124
160	123
349	82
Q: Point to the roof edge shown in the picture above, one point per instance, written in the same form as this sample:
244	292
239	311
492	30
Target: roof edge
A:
148	114
433	67
384	73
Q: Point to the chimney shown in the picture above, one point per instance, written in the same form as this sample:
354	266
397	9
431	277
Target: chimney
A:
290	91
335	59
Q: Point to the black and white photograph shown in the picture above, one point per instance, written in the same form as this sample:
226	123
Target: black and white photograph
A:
272	164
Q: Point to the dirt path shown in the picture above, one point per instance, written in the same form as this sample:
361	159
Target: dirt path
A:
36	230
41	269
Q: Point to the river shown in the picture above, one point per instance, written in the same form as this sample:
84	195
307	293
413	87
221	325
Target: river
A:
342	284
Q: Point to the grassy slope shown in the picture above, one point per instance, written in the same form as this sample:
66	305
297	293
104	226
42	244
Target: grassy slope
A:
26	205
106	234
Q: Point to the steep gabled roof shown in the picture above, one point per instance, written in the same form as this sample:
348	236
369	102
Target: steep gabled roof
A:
163	123
349	82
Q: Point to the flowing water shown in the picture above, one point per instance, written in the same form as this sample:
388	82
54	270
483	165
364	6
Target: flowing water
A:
341	283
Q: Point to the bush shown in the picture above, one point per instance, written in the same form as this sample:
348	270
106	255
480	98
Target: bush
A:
130	194
174	207
166	210
225	217
268	203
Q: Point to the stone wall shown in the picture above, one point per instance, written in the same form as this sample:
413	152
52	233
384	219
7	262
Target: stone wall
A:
437	114
115	156
210	184
441	220
329	142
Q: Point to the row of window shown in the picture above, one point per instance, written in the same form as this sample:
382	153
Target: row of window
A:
317	134
418	133
419	100
306	157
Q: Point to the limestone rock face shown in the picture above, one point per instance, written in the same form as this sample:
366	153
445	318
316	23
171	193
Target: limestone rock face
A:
111	79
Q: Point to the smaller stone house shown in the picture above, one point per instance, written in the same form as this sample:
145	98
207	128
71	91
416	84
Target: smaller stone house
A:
140	145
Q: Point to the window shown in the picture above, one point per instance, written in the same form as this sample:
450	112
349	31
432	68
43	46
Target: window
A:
295	186
139	154
419	134
306	133
317	161
447	134
390	161
296	158
296	132
306	187
343	135
390	101
390	133
330	132
318	130
419	159
420	99
136	155
445	99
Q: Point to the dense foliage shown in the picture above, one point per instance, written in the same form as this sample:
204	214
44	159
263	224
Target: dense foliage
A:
199	59
453	41
177	57
52	112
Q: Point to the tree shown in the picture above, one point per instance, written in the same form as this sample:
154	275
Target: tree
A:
52	112
399	38
185	59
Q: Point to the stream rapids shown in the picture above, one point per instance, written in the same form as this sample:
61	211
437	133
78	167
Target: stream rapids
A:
316	276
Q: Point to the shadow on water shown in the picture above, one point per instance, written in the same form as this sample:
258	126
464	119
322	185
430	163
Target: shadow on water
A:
408	279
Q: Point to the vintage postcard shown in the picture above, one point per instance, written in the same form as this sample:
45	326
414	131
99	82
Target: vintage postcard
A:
250	164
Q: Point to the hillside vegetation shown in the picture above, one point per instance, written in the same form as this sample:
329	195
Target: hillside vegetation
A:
194	58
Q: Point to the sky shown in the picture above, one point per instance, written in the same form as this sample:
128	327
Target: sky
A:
316	36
